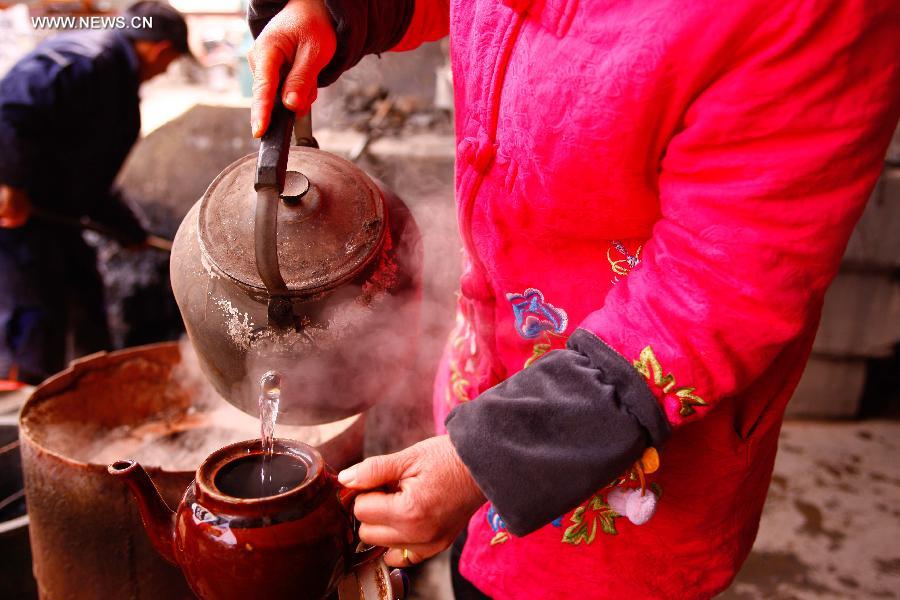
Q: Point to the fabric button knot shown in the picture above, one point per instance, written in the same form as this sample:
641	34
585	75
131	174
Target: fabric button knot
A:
478	151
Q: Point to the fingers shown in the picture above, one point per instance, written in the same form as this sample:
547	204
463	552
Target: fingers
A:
301	35
375	472
377	507
401	551
265	64
406	556
402	557
385	535
300	85
13	222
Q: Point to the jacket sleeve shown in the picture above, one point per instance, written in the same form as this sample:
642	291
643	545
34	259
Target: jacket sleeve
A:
759	190
29	96
39	96
582	410
366	27
260	12
430	21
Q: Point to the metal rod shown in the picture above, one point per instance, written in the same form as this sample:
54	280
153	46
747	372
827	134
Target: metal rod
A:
153	241
10	499
10	446
303	135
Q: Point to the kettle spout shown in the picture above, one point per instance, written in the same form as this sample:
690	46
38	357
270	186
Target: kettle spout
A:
158	518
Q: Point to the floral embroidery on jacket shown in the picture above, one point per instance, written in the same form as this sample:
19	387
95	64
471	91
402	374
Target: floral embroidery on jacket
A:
461	363
628	496
534	315
501	536
585	519
498	526
622	266
543	347
648	366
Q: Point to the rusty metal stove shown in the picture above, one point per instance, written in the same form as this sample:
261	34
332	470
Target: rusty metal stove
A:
86	535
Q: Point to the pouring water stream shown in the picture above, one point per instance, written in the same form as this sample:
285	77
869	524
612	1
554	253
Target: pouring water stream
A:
269	399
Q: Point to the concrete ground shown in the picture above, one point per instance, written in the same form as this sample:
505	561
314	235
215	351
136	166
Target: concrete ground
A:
831	524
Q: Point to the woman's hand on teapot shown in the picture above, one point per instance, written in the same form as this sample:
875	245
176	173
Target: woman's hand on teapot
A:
302	36
421	499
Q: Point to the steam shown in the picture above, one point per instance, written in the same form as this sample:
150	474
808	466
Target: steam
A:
197	423
404	416
407	337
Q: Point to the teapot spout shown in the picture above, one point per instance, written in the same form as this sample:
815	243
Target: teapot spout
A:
158	518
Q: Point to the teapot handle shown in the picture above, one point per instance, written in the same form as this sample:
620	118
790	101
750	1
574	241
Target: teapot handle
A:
346	497
367	555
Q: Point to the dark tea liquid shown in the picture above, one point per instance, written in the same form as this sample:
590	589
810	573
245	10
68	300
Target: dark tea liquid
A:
258	475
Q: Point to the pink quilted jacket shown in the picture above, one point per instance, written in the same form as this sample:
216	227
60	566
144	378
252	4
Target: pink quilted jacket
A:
679	177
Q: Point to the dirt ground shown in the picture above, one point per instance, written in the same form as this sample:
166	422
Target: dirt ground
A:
831	525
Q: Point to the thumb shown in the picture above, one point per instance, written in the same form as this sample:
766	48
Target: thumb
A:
374	472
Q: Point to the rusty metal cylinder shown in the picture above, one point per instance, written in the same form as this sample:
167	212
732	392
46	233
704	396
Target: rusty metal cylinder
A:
86	535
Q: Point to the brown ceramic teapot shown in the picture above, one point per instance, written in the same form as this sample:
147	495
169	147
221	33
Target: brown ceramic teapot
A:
295	260
288	534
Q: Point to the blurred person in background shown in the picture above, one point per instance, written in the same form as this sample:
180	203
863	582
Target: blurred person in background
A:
653	198
69	115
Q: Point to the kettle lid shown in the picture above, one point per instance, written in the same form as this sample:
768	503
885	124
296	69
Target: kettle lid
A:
330	225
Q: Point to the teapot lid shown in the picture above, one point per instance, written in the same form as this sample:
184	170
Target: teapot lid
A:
331	222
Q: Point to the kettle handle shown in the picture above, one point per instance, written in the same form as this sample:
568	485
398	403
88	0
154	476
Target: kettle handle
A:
346	497
303	135
271	167
271	162
271	171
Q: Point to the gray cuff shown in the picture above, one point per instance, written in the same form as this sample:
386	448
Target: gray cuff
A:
548	437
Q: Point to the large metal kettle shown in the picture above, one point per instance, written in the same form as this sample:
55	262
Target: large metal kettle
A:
295	260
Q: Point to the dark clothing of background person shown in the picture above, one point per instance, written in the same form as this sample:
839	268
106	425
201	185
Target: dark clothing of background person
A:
69	115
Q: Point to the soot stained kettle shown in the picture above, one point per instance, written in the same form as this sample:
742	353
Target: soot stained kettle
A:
297	261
